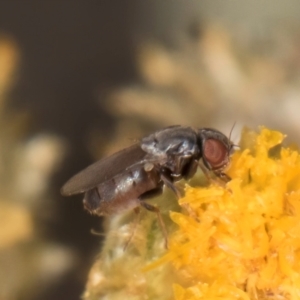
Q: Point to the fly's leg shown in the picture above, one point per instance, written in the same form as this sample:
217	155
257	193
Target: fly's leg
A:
164	177
136	222
210	179
171	185
205	171
221	178
160	220
190	169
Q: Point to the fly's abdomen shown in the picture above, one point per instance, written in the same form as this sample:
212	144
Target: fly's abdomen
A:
122	192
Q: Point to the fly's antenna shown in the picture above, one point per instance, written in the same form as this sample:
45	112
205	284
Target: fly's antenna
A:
231	130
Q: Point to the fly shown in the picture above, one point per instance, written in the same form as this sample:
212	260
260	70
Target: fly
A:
127	178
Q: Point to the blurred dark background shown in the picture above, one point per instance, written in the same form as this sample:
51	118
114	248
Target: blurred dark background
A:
70	50
80	61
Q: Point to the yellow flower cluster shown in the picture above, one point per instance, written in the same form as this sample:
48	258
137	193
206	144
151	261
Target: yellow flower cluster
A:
242	241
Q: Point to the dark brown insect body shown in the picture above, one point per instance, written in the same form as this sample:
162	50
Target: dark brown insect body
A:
123	191
125	179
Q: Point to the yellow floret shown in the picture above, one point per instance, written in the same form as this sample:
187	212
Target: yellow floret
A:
243	241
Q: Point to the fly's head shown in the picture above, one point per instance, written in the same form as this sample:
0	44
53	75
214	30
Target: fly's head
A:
216	150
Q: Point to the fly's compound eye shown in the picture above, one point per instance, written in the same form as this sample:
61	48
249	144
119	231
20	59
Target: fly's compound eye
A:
215	154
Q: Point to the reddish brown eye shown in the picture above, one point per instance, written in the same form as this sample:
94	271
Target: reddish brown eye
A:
215	153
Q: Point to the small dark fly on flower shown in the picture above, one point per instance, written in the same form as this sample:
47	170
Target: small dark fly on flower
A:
128	178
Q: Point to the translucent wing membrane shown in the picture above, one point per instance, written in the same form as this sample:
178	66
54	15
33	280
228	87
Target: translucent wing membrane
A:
103	170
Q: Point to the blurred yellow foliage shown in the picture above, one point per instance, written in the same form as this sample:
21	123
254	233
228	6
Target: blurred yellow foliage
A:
15	224
9	57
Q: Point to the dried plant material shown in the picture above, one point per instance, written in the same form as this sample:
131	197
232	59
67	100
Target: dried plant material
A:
157	65
118	274
27	268
134	103
220	60
36	160
15	224
9	57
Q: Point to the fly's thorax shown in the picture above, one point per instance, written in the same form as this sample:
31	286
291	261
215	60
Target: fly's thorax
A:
172	148
175	140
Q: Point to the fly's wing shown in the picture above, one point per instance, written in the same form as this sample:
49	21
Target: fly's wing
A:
103	170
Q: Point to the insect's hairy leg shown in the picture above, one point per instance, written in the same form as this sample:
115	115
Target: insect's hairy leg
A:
171	185
220	179
136	222
160	220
